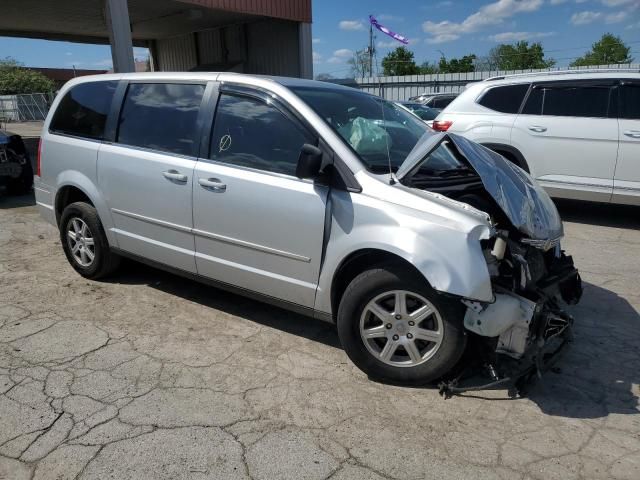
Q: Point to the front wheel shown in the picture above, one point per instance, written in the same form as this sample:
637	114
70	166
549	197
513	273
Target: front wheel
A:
397	329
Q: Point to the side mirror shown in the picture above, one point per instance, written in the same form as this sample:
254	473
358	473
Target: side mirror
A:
309	162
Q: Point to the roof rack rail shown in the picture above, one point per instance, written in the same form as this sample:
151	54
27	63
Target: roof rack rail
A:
565	72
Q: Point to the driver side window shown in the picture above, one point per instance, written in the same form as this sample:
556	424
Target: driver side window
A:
250	133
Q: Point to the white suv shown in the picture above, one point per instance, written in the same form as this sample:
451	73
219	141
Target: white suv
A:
577	133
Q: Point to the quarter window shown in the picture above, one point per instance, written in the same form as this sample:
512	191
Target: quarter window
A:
505	99
161	116
630	101
83	111
569	101
250	133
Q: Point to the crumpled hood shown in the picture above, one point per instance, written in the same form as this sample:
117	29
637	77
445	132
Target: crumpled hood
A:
524	202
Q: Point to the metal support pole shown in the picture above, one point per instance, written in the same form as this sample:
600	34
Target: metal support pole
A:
371	50
305	46
117	15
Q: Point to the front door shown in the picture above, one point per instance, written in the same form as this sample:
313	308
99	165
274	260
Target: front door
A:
146	176
256	225
569	139
626	183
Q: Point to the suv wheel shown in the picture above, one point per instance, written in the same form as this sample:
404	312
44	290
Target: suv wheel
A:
397	329
84	242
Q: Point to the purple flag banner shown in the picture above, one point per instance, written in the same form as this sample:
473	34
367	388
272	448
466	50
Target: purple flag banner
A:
386	31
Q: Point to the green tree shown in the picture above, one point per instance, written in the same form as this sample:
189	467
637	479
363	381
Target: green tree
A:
399	62
519	56
15	79
323	77
609	49
428	68
457	65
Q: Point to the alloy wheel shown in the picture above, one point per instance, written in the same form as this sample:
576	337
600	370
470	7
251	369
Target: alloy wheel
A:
401	328
81	242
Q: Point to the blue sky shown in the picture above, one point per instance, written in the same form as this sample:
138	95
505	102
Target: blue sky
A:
566	28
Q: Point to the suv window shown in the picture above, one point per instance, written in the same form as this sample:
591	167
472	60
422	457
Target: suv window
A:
83	111
569	101
161	116
630	101
249	133
505	99
441	102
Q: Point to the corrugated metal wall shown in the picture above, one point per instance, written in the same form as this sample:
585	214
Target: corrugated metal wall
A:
222	45
273	48
176	54
211	47
268	47
298	10
402	88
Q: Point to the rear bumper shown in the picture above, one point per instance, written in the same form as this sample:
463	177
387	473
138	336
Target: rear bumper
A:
44	201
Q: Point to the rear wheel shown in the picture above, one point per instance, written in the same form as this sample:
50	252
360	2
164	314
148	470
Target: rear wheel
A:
85	243
396	328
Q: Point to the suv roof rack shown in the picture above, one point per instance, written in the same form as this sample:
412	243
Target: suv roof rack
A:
566	72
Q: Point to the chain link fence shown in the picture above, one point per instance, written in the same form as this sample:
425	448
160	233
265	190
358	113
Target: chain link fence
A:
24	107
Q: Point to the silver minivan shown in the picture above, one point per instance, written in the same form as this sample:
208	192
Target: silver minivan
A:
318	198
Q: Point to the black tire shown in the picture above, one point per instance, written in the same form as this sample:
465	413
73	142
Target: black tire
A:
105	261
367	286
24	183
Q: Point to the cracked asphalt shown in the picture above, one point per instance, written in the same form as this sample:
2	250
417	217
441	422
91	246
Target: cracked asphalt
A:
151	376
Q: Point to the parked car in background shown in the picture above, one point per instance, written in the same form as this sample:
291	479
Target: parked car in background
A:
16	172
434	100
316	197
426	114
576	132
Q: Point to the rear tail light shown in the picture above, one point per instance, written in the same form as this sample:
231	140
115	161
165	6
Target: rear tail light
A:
442	125
39	157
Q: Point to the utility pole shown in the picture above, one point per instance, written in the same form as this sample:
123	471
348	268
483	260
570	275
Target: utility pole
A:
371	50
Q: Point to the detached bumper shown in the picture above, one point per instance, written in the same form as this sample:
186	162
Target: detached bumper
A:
516	375
533	345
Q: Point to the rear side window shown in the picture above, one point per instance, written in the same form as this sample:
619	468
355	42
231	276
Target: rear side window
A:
630	101
569	101
441	102
83	110
505	99
161	116
249	133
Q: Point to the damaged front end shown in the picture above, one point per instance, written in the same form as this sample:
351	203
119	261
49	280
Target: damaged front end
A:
523	330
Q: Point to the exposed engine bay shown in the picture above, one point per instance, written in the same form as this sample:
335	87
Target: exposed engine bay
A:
522	331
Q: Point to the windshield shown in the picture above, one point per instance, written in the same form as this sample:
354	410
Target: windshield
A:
380	132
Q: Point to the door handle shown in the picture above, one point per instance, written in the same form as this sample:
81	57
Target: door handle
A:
175	176
537	128
212	184
632	133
